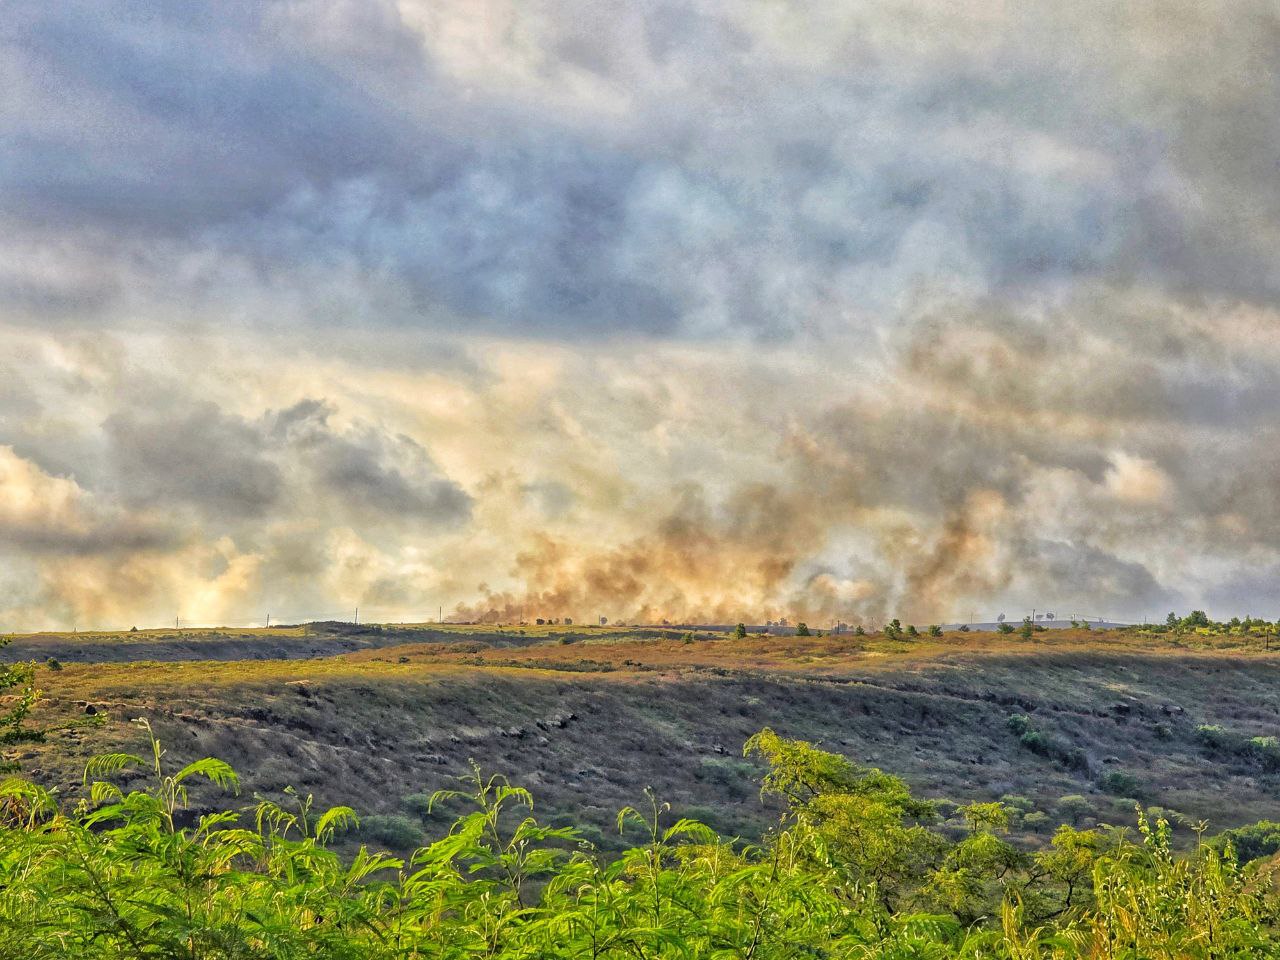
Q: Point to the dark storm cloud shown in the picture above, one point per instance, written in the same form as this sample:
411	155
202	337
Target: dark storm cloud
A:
654	168
1080	574
231	469
119	538
207	127
1247	591
163	118
369	470
199	456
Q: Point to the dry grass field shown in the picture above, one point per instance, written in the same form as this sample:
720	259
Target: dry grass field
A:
1069	725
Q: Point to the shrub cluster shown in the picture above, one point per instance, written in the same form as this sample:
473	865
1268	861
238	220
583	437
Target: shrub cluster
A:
1045	746
1264	751
856	868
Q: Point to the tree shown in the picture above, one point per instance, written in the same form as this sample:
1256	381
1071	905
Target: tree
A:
935	630
802	630
871	827
740	631
1006	627
912	631
12	731
1171	620
1026	628
858	631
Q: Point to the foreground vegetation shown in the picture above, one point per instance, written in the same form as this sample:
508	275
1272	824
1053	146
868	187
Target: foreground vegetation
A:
855	868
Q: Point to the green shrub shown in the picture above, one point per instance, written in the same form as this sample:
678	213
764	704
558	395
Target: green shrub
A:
734	776
1036	820
1036	742
856	868
1120	783
1073	807
946	809
1019	723
1015	801
417	803
1212	735
1251	842
1266	750
391	829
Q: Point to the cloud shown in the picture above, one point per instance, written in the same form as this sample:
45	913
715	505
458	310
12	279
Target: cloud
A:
1082	574
43	515
1137	481
679	483
662	169
665	308
365	469
198	456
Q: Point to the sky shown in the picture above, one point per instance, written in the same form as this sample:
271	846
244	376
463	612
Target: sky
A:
657	309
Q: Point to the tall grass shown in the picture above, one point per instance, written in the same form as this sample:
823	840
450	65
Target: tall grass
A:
856	868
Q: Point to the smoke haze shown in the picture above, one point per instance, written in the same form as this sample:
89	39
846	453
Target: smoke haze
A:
667	309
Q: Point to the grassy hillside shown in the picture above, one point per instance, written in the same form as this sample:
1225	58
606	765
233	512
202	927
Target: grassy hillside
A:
1067	726
289	642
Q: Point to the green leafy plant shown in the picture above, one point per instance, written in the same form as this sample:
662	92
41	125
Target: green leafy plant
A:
856	868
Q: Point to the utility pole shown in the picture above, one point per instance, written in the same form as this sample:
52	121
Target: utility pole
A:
268	621
356	620
440	614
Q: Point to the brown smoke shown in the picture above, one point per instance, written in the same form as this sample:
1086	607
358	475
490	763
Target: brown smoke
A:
702	563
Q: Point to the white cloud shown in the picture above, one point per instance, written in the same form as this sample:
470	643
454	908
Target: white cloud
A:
669	306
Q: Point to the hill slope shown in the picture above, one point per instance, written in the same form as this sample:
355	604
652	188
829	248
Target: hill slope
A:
1095	718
